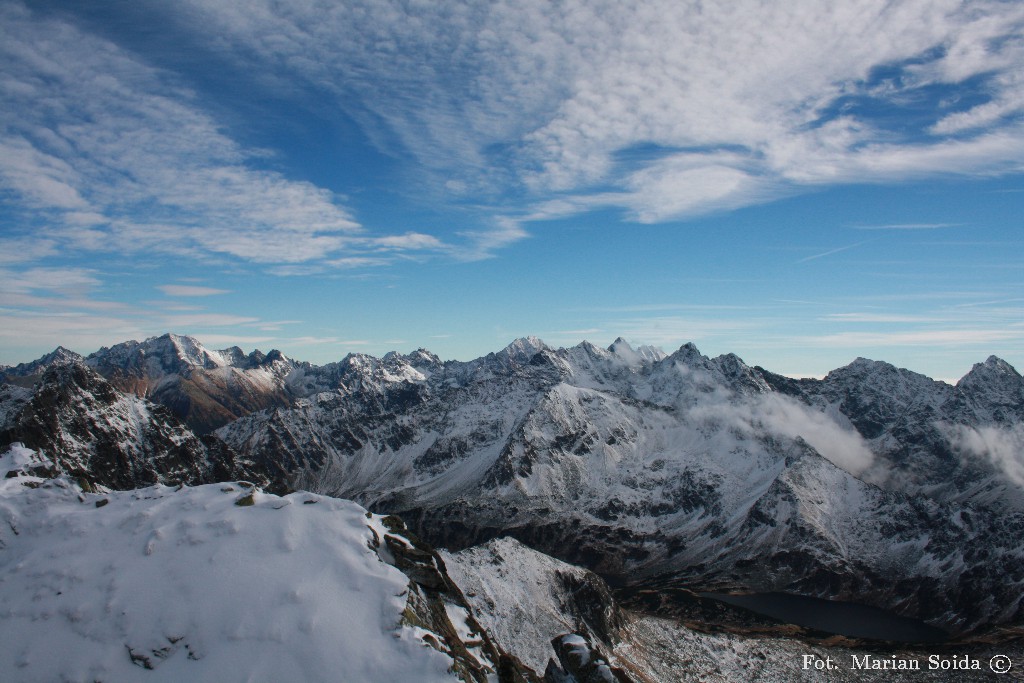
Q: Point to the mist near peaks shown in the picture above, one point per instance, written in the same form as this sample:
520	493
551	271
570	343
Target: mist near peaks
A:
1001	446
782	416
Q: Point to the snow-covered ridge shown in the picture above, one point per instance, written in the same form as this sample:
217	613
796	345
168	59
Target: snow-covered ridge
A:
211	583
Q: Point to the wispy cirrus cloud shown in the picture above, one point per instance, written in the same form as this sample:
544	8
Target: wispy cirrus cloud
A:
19	250
670	104
102	152
670	332
908	226
829	252
48	279
190	290
949	336
664	109
895	318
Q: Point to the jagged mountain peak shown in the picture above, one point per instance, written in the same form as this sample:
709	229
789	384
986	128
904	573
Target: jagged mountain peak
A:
61	353
992	391
880	374
523	349
861	364
272	356
157	356
651	353
206	388
175	354
69	375
621	348
641	355
30	370
592	350
90	429
688	354
738	375
234	355
994	369
189	350
619	341
422	356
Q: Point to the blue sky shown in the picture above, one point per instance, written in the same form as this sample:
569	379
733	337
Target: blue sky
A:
800	184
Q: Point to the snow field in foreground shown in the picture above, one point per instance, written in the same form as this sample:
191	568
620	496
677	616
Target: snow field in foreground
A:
197	587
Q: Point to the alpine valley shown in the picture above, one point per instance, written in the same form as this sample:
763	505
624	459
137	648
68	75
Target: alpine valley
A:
583	514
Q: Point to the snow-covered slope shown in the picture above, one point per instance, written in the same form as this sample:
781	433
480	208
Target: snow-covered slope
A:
213	583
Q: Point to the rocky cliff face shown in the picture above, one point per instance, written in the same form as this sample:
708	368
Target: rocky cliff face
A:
90	430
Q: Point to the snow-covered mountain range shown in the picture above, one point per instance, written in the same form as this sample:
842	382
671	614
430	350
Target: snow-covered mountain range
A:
656	471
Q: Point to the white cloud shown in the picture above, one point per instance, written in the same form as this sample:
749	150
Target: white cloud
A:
738	100
843	447
42	179
35	279
410	240
85	333
664	108
908	226
777	414
689	184
837	250
190	290
193	320
483	243
928	337
116	155
354	262
311	341
15	250
218	341
673	331
895	318
1002	446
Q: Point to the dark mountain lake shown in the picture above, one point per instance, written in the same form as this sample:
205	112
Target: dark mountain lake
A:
841	618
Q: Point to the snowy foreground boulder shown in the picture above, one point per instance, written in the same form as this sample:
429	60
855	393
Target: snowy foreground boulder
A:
217	583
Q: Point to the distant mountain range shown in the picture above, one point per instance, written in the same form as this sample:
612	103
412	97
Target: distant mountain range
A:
672	472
